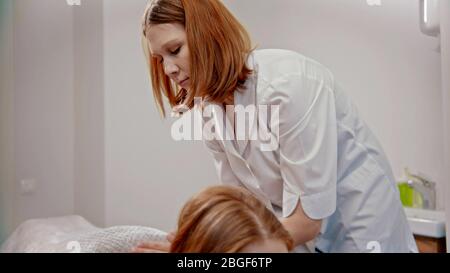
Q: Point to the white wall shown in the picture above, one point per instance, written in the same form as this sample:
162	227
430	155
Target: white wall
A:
89	179
43	107
390	70
6	119
53	109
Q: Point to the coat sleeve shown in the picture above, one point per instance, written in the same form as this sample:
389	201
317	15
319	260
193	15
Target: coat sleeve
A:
307	143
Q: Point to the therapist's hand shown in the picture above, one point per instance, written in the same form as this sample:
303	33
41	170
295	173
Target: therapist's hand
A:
155	247
300	226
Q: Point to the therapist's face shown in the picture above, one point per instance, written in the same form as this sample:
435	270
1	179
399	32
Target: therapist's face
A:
266	246
168	43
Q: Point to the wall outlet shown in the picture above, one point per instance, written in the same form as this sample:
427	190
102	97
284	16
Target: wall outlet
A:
73	2
375	3
27	186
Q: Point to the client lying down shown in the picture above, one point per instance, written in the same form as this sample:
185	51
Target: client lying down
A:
218	219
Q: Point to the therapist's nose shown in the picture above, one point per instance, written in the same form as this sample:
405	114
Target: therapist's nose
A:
171	69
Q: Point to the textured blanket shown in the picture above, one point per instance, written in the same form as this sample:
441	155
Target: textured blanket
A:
75	234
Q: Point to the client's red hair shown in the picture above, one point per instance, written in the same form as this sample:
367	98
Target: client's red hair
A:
225	219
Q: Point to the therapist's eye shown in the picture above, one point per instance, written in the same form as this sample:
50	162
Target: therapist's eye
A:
176	51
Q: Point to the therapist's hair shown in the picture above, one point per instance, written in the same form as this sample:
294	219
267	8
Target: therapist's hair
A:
225	219
218	46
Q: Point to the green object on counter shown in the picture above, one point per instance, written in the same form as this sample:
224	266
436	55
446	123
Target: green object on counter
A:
409	196
406	194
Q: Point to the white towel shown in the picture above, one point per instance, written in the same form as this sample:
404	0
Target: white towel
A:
75	234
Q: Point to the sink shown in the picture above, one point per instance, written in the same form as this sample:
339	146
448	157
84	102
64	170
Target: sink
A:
429	223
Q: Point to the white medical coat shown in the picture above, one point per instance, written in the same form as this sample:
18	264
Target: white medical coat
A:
327	158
